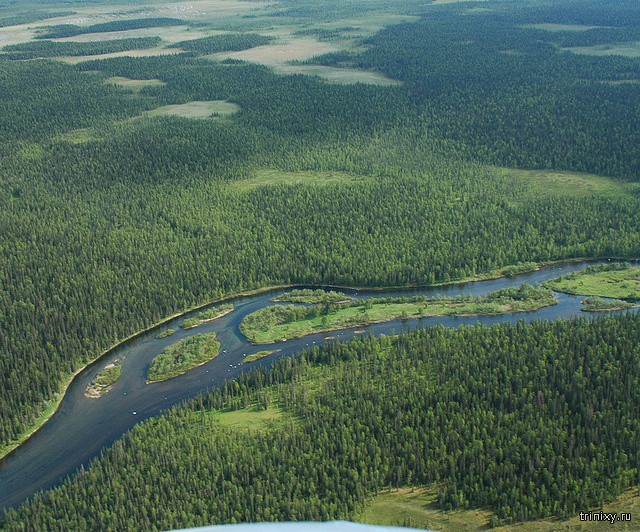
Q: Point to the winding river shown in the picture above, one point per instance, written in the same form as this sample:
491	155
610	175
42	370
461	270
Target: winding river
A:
82	427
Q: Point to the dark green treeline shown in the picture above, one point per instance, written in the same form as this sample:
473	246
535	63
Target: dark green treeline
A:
527	420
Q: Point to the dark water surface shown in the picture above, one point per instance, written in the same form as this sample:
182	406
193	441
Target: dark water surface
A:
82	427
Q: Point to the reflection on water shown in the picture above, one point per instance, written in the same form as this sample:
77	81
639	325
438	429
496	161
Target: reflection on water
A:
82	426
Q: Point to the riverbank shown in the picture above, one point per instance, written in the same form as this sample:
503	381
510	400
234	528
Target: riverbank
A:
286	322
54	403
50	407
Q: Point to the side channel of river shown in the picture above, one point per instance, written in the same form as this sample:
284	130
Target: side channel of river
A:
82	427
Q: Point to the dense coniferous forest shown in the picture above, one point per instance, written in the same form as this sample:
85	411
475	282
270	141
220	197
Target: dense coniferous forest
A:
528	420
33	49
223	43
111	220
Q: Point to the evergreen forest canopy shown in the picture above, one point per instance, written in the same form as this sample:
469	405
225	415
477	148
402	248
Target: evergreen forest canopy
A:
110	223
527	420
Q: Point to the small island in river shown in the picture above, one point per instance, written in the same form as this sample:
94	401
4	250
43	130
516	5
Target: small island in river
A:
208	315
285	322
104	380
183	356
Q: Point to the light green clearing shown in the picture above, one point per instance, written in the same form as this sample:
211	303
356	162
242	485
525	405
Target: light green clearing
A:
78	136
616	82
257	356
197	110
262	327
626	50
562	27
616	284
559	183
270	177
183	356
135	85
342	76
418	508
251	418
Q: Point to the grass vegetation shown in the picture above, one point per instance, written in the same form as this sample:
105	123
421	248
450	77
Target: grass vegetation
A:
135	85
257	356
631	50
598	304
183	356
310	296
285	322
418	508
104	380
569	184
268	177
208	315
618	281
252	417
202	109
166	333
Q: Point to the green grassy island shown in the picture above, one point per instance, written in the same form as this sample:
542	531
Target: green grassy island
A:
257	356
307	295
183	356
208	315
598	304
618	280
104	380
285	322
166	333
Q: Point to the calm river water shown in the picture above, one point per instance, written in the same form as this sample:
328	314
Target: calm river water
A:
82	427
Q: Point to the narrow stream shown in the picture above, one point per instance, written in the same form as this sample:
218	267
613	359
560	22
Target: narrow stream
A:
82	427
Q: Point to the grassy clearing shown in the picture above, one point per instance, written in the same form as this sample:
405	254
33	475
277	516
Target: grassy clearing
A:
197	110
558	183
135	85
208	315
626	49
183	356
269	177
561	27
103	381
257	356
614	283
312	297
253	417
285	322
294	49
417	508
78	136
343	76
